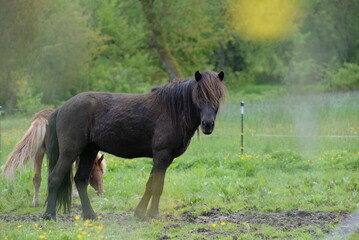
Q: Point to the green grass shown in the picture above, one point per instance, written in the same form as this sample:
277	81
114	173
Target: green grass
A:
275	173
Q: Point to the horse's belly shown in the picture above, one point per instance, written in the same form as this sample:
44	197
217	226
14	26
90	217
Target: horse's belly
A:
126	148
130	153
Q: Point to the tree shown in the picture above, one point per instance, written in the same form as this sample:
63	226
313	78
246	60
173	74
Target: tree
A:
160	42
18	27
47	47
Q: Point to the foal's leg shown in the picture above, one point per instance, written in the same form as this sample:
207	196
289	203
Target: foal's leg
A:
87	159
75	193
36	180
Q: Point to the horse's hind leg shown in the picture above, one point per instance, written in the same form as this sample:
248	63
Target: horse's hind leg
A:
55	180
87	158
36	180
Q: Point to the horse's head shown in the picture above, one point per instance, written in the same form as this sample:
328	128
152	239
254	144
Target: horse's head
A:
207	94
96	176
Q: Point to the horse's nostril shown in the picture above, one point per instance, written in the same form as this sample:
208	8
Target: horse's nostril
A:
207	124
204	124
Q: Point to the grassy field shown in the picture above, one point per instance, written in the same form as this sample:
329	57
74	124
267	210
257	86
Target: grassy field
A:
301	153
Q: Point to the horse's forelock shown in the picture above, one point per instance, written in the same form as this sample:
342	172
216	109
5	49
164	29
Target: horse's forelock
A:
178	97
209	89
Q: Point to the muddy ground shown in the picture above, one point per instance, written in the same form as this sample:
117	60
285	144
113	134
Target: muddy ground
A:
282	220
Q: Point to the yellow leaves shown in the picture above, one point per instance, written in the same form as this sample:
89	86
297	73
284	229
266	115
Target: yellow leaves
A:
265	20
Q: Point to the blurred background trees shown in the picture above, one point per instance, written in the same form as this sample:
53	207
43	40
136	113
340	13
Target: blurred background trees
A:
51	50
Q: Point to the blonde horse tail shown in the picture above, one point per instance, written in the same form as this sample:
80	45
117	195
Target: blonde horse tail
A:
28	146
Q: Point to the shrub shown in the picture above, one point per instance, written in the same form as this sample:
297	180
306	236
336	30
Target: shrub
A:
346	78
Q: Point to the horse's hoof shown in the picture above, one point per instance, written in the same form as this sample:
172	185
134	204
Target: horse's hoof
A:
152	215
100	194
140	215
48	216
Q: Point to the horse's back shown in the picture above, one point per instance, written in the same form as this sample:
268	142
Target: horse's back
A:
121	124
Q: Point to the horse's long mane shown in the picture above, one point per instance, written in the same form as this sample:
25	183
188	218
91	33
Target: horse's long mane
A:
182	97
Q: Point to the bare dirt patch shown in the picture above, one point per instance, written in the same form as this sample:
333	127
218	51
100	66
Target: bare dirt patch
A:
282	220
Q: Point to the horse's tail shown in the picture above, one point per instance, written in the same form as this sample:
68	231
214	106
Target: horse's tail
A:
65	188
27	147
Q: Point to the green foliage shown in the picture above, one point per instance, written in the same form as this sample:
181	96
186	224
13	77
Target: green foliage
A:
125	65
60	48
53	49
346	78
32	103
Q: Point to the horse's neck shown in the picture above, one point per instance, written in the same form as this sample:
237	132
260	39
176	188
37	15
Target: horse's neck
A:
193	126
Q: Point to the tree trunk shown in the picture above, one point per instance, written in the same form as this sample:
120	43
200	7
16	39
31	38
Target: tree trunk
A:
160	41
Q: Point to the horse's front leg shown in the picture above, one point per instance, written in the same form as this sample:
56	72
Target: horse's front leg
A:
141	208
161	162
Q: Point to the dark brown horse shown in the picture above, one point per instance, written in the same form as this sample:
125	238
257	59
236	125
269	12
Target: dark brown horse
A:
159	125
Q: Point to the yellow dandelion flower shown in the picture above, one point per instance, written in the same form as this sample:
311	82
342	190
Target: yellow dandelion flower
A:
214	225
223	223
77	217
99	227
99	217
36	225
42	237
102	236
79	236
80	229
84	233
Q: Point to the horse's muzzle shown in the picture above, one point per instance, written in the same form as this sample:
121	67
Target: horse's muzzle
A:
207	127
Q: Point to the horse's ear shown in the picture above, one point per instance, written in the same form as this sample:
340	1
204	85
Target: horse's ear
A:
101	158
198	76
221	76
